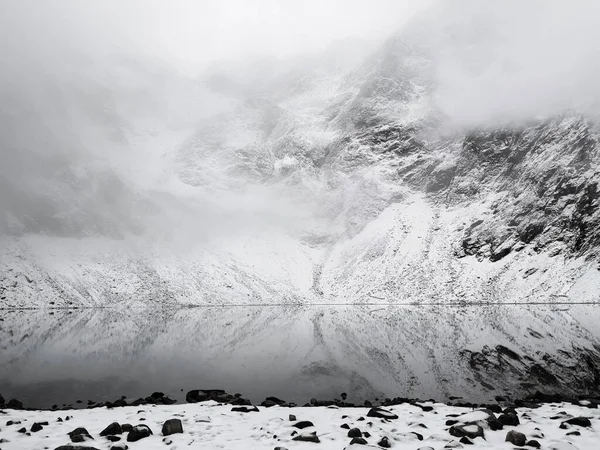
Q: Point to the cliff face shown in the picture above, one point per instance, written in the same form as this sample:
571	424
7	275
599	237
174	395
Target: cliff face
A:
317	183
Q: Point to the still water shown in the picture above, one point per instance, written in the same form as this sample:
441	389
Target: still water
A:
295	353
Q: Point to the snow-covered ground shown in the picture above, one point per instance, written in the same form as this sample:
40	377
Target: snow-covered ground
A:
213	426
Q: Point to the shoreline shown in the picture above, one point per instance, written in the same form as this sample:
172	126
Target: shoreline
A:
209	424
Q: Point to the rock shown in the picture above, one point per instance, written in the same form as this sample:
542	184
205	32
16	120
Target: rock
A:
381	413
312	437
120	447
303	424
292	418
14	404
354	432
36	427
345	425
579	421
139	432
417	435
509	419
75	447
272	401
533	443
244	409
112	429
22	430
573	433
172	426
367	434
113	438
516	438
384	442
359	441
471	431
80	435
451	422
126	427
465	440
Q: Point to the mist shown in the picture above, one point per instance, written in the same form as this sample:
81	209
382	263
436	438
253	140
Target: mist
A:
136	118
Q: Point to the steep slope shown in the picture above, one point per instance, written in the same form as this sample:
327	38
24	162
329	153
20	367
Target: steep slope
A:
316	183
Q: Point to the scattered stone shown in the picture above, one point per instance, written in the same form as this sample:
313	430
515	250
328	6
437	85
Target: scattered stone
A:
381	413
244	409
280	448
292	418
471	431
573	433
367	434
516	438
509	419
112	429
22	430
384	442
417	435
579	421
312	437
303	424
126	427
120	447
359	441
139	432
354	432
80	435
113	438
76	447
36	427
345	425
172	426
272	401
533	443
465	440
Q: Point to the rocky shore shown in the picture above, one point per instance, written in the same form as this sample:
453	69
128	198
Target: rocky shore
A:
216	419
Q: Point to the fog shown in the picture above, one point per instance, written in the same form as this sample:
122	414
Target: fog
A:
132	118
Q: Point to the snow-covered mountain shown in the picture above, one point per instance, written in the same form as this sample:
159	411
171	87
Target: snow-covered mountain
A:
330	180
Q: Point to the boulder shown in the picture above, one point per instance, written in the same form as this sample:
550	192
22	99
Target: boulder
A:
516	438
358	441
579	421
112	429
139	432
307	437
384	442
471	431
381	413
172	426
354	432
303	424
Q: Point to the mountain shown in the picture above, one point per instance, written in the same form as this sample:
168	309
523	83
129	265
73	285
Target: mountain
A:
292	182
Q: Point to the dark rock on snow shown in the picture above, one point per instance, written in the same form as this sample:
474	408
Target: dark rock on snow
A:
307	438
516	438
381	413
36	427
579	421
384	442
139	432
172	426
471	431
359	441
112	429
113	438
244	409
303	424
354	432
80	435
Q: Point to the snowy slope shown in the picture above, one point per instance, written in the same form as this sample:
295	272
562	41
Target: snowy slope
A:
335	183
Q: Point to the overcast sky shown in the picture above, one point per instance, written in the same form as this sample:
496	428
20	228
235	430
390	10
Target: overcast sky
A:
192	32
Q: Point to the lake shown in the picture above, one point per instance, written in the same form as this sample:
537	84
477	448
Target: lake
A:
297	352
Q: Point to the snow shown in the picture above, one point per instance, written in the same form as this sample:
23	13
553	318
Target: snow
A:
212	426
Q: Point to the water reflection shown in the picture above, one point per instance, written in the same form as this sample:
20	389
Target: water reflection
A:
299	352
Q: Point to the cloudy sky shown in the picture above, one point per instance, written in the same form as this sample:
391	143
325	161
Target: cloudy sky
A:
192	32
